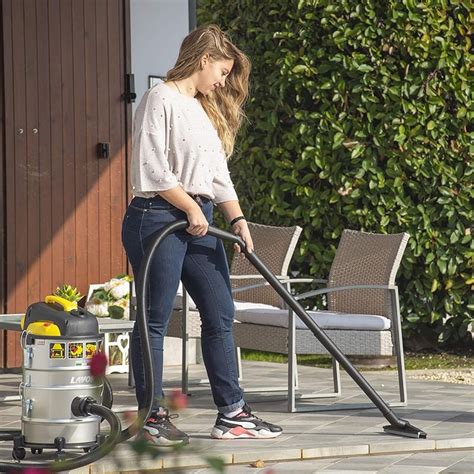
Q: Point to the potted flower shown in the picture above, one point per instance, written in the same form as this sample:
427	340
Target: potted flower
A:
68	292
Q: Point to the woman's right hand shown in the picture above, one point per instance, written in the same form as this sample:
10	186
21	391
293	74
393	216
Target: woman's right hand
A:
198	224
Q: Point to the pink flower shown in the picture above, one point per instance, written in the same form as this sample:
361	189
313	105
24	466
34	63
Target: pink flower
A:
98	364
178	400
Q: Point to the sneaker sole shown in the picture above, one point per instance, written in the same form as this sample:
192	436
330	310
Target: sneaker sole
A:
161	441
243	433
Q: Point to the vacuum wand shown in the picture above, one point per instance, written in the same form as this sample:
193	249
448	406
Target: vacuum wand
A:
397	425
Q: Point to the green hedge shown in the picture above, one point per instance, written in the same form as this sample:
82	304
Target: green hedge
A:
359	118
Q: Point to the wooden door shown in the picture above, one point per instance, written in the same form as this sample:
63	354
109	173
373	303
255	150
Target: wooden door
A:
64	66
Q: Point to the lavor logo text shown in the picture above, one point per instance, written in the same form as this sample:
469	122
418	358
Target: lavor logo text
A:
82	379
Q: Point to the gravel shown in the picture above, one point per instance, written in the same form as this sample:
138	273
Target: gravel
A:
459	376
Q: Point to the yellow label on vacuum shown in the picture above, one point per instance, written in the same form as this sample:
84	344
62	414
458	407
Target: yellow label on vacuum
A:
75	350
57	350
91	348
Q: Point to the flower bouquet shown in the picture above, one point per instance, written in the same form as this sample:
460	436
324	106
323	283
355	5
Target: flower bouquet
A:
111	299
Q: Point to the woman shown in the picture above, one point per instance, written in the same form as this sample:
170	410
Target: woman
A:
184	131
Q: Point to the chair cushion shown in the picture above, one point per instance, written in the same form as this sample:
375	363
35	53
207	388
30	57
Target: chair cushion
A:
238	305
272	316
245	306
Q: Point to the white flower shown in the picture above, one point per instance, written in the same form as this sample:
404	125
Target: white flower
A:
123	303
117	288
111	283
100	309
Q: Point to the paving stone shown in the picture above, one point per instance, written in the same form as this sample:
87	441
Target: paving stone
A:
402	446
266	455
334	451
335	468
376	463
455	443
460	467
413	469
306	466
187	460
433	459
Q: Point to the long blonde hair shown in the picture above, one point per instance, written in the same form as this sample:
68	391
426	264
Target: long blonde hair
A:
224	106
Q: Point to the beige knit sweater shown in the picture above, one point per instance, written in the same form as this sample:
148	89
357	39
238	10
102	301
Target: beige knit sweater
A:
175	144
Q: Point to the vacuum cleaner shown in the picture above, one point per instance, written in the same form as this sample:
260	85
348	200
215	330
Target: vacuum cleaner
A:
58	341
63	405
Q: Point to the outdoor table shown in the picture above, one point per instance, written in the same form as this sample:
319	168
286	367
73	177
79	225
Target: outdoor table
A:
11	322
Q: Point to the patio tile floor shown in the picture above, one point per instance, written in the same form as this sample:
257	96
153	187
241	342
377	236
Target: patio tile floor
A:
316	441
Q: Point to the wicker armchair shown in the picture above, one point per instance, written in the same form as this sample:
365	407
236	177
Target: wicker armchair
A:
275	247
363	316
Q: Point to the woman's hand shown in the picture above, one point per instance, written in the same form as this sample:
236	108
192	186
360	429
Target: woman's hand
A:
198	224
241	229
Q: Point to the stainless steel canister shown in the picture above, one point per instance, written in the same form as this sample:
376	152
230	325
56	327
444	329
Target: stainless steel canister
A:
55	371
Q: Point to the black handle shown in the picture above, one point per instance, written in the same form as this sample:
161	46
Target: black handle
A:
129	94
103	150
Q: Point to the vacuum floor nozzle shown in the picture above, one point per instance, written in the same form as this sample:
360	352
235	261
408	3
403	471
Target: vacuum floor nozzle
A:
408	430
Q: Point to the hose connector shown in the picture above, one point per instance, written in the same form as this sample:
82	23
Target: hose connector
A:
80	406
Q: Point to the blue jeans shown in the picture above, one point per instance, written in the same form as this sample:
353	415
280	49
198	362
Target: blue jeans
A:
201	264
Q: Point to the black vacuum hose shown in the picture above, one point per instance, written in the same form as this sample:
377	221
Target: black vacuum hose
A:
117	436
8	435
142	290
397	425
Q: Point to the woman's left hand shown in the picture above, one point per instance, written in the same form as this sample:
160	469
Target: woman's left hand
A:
241	229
